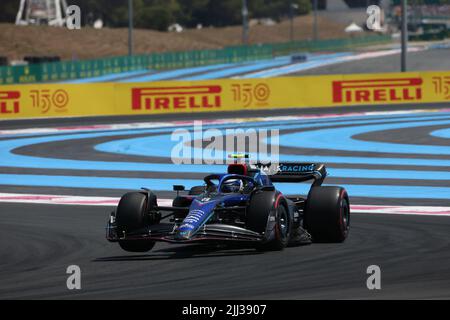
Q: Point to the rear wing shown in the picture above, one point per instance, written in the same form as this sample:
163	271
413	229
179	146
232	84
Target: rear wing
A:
295	172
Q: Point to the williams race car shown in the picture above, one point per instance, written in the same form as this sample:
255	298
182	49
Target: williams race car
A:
240	206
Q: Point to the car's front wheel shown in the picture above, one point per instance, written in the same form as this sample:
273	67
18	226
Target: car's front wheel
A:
281	231
262	216
131	216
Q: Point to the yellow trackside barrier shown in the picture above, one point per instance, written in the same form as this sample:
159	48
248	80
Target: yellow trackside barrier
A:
56	100
63	100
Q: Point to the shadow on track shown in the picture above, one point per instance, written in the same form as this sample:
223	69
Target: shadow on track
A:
185	252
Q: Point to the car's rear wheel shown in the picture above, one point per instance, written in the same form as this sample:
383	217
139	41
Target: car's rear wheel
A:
131	216
327	214
197	190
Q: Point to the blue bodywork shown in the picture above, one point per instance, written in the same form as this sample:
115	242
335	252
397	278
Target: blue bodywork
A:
202	208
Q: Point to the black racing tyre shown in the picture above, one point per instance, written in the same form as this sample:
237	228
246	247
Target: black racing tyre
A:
197	190
131	216
181	201
258	213
327	214
282	230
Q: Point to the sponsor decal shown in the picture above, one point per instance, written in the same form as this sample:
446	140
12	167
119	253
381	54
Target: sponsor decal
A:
176	98
187	226
248	94
297	168
9	101
47	100
441	86
377	90
193	217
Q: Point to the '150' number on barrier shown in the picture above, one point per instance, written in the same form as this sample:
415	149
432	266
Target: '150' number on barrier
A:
247	94
46	99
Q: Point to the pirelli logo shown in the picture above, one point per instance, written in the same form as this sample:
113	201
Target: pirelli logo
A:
176	98
378	90
9	101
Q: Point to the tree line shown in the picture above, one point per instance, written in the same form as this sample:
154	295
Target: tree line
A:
159	14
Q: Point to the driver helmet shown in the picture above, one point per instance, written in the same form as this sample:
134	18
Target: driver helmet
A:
232	186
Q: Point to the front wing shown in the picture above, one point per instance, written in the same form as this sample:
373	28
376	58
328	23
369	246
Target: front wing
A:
165	232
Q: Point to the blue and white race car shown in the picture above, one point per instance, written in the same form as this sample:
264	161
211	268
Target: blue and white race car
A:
240	206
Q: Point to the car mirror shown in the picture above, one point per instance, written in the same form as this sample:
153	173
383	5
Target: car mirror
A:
178	188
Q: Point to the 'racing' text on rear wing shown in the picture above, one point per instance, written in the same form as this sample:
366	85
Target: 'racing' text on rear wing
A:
295	172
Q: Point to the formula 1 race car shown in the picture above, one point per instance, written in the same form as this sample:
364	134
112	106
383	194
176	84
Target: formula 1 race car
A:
242	206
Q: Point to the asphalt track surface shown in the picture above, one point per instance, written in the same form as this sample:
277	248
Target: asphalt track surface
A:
40	241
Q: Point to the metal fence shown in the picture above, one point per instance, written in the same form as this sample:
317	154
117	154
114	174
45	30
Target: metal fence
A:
69	70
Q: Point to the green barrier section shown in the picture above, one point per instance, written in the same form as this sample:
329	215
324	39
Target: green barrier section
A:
69	70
